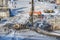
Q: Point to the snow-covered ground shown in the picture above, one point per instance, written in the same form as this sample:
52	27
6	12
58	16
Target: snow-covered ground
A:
28	34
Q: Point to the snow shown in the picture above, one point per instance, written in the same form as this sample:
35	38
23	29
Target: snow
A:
23	18
28	34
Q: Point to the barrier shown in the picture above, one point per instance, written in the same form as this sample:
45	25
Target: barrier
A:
36	13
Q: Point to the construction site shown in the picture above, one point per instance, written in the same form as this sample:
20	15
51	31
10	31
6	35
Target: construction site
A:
29	19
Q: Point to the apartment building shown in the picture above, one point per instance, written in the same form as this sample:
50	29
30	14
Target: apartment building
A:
3	2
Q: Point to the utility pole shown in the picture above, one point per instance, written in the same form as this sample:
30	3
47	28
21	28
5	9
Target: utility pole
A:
32	11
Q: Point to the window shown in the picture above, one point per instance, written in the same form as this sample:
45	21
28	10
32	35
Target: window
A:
40	0
1	3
